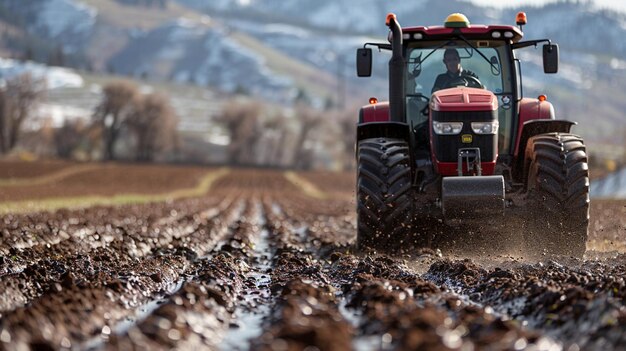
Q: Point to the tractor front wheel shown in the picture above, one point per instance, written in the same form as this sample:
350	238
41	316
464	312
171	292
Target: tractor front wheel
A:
558	194
384	193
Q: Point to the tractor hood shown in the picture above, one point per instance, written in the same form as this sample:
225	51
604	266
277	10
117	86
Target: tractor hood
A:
463	99
464	121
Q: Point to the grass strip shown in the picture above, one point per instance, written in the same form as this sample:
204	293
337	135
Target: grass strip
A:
307	187
49	178
52	204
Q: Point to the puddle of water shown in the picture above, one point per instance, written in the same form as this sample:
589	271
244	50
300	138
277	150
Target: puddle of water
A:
249	326
221	232
250	314
142	312
370	342
254	308
276	209
301	231
512	308
363	342
351	316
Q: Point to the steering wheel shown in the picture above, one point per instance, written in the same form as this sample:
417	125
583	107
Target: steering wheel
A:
466	81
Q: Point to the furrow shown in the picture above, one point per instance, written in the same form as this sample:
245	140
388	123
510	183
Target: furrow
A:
305	312
582	304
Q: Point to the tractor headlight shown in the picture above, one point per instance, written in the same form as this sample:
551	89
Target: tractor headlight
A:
447	128
485	127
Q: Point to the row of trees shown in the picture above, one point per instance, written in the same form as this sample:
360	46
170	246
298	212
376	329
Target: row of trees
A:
145	123
149	118
301	137
129	124
144	127
17	100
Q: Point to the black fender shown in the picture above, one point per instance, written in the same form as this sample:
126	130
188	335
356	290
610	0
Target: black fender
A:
529	130
386	129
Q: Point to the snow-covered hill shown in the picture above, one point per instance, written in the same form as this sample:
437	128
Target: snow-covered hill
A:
201	54
69	22
54	77
322	34
64	17
274	48
576	25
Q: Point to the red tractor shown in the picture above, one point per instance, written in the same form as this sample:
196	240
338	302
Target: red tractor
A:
457	143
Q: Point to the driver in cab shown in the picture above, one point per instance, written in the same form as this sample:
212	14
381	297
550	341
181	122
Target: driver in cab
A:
455	75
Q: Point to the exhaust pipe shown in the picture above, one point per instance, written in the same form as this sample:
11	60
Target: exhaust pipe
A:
396	71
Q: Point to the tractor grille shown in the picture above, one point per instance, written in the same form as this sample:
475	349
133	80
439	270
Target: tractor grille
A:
446	147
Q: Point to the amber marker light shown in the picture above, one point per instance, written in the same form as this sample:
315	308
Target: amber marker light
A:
373	100
389	17
520	19
542	97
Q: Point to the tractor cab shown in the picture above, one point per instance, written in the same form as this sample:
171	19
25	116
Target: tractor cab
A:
481	64
464	137
486	61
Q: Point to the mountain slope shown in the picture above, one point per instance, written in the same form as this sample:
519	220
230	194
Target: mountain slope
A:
577	25
272	49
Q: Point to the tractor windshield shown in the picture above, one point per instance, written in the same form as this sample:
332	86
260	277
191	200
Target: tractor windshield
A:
437	65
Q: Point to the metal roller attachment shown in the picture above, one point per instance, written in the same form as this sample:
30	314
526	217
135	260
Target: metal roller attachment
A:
472	197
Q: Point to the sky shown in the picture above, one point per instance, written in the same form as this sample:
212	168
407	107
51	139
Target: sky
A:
619	5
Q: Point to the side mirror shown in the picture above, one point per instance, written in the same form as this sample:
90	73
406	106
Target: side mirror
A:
550	58
364	62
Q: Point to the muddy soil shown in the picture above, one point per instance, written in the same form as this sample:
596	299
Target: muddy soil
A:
64	179
21	169
258	265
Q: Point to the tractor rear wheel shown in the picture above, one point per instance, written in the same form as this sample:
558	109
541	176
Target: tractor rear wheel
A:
384	193
558	194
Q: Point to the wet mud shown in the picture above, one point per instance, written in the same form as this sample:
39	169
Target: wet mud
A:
257	264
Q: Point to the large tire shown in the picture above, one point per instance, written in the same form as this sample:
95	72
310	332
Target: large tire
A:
558	194
384	194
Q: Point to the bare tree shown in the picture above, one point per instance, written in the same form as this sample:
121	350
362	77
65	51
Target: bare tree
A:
17	101
153	122
69	137
4	122
623	158
346	120
241	119
309	119
112	113
275	130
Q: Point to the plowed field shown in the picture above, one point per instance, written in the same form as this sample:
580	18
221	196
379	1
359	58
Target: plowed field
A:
265	261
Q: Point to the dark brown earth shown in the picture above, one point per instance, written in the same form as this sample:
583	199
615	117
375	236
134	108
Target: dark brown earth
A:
63	179
257	264
23	169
